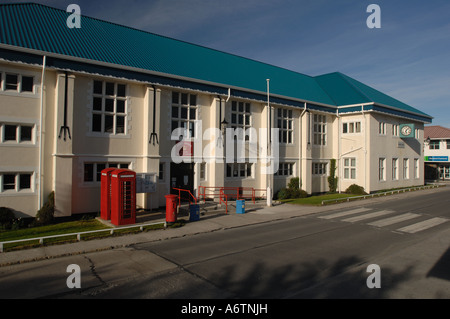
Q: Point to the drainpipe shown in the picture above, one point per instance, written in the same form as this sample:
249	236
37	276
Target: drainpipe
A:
300	151
339	150
269	153
41	117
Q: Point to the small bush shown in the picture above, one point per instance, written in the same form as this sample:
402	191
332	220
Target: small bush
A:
355	190
297	193
294	183
7	217
45	215
283	194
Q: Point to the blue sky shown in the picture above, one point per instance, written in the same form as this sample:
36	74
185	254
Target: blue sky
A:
407	58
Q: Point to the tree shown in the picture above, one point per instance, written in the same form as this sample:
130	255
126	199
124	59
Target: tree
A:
332	179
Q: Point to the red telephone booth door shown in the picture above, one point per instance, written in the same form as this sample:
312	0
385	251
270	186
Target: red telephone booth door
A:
123	197
105	194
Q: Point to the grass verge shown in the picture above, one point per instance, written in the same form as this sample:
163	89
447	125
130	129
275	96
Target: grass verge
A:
316	200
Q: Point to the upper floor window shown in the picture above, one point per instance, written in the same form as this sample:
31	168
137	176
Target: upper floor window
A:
109	108
12	82
320	129
394	129
434	144
184	111
382	128
15	182
285	123
351	127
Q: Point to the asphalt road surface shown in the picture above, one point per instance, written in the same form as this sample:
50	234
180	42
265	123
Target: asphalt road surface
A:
324	255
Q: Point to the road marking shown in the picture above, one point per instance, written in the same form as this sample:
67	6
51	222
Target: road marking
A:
393	220
414	228
368	216
346	213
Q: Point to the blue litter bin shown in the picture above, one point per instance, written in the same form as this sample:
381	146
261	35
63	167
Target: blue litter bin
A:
240	206
194	213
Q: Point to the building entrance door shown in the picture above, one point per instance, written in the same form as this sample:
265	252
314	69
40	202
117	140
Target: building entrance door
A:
182	176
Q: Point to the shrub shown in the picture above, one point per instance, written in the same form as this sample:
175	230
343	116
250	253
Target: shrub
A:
294	183
7	217
332	179
355	190
283	194
45	215
297	193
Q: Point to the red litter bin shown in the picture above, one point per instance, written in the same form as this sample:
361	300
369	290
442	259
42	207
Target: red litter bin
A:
171	208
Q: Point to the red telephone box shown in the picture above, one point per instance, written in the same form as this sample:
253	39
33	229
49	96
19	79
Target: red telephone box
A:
105	199
123	197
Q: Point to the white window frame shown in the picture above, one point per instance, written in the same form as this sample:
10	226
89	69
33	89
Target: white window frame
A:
382	128
203	171
436	146
285	124
103	113
349	167
395	130
18	139
285	169
17	186
353	127
188	102
96	176
416	168
319	168
239	168
395	169
19	83
382	169
319	130
406	168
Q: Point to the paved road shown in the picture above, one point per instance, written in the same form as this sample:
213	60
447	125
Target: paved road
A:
323	255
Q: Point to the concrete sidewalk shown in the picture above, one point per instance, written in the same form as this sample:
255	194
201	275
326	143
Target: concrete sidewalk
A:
209	222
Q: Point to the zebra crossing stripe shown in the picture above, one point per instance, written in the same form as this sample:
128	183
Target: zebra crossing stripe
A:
393	220
346	213
414	228
368	216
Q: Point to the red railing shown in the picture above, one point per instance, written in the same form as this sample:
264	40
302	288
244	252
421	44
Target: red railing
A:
180	190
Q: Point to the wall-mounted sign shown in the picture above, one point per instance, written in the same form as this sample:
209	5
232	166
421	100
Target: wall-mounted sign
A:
145	182
407	130
436	158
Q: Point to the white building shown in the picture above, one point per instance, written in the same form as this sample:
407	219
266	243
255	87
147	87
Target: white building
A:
75	101
437	153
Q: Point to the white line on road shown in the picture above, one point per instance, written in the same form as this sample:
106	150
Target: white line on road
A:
414	228
393	220
368	216
346	213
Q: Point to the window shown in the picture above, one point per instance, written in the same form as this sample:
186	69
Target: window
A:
92	171
319	168
448	144
382	128
320	129
15	181
16	133
202	171
394	130
285	124
381	169
241	116
350	168
417	133
416	168
161	172
184	111
239	170
16	82
395	169
434	144
405	168
109	111
351	127
285	169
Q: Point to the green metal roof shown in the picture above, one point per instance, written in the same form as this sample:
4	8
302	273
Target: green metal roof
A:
345	90
40	28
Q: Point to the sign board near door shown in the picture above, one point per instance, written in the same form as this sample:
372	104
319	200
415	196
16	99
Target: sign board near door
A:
145	182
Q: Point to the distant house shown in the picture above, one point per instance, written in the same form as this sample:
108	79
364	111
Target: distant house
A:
437	153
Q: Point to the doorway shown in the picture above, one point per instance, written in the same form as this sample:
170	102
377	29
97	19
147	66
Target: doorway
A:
182	176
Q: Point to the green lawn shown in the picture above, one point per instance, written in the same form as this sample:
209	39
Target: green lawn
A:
316	200
56	229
